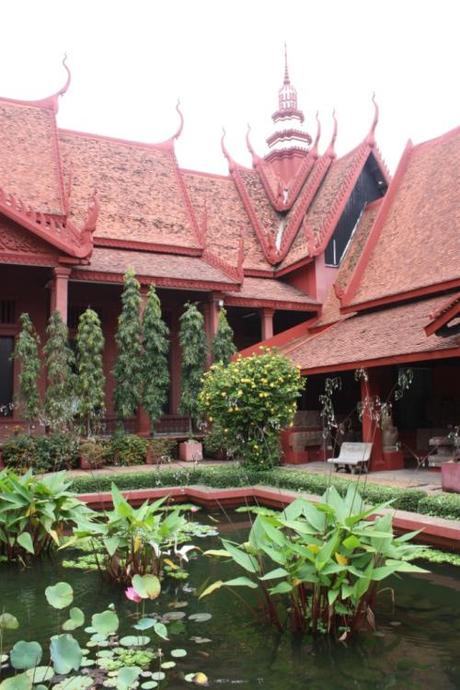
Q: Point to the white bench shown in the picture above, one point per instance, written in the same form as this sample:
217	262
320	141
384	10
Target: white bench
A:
352	457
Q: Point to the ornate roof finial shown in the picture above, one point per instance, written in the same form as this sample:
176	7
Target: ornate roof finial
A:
255	157
370	139
286	71
63	90
231	162
181	121
318	132
331	148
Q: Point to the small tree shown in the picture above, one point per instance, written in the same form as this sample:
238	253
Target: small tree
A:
223	347
155	369
90	382
26	352
128	366
251	400
60	362
194	347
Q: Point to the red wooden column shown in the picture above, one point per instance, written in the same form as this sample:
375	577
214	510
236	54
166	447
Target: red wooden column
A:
211	318
266	321
372	433
60	291
142	418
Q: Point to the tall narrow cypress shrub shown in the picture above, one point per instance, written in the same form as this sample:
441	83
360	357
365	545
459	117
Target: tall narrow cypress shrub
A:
155	369
193	342
223	346
128	366
60	362
90	384
26	352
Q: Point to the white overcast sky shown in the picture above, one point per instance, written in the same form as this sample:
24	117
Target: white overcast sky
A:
132	59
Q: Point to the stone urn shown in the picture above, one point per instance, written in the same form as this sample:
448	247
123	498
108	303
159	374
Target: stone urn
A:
191	450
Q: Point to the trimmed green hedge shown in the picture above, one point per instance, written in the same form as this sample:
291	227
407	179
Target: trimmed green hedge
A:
443	505
237	476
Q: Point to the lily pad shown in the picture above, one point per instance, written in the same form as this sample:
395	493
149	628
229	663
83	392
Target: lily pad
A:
200	617
158	675
19	682
40	674
149	684
8	622
146	586
65	653
105	623
76	620
127	676
174	616
134	640
144	624
200	640
25	655
168	664
178	653
60	595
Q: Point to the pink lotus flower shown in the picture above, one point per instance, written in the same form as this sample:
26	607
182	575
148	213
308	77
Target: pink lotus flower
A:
132	595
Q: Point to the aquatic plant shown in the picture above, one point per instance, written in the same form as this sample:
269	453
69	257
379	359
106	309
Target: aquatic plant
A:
33	512
328	558
128	541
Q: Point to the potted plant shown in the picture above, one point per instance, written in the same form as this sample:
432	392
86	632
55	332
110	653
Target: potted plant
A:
93	454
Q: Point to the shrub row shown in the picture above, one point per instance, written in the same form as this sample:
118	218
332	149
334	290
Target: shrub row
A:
55	452
237	476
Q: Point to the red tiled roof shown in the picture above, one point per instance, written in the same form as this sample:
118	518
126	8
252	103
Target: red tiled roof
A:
373	338
139	189
29	161
417	233
333	193
218	206
270	290
152	265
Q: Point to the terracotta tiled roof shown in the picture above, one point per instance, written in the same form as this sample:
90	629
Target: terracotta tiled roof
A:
417	233
371	338
218	206
29	161
321	217
139	189
268	289
152	265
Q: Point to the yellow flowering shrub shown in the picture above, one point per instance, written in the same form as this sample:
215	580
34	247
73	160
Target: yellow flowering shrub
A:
249	401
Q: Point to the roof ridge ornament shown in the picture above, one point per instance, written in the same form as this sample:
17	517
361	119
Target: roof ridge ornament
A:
181	121
64	88
286	70
318	132
232	164
331	148
255	157
370	138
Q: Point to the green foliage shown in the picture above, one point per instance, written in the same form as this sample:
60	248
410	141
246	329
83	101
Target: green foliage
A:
163	449
223	347
60	392
135	541
50	453
26	352
90	382
194	347
155	366
127	449
251	400
95	452
443	505
128	366
33	513
329	559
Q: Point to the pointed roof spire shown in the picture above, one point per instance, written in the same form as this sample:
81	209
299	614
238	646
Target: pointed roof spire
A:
286	71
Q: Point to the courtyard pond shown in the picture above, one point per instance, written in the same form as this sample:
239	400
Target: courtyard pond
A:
219	641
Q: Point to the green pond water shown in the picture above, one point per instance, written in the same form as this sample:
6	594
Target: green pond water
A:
415	646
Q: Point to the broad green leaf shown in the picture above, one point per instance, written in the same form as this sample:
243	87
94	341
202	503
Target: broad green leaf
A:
281	588
59	595
161	630
40	674
8	622
25	540
19	682
105	623
76	620
25	655
127	677
351	542
273	574
217	552
134	641
332	596
241	582
144	624
74	683
211	588
243	559
65	653
146	586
